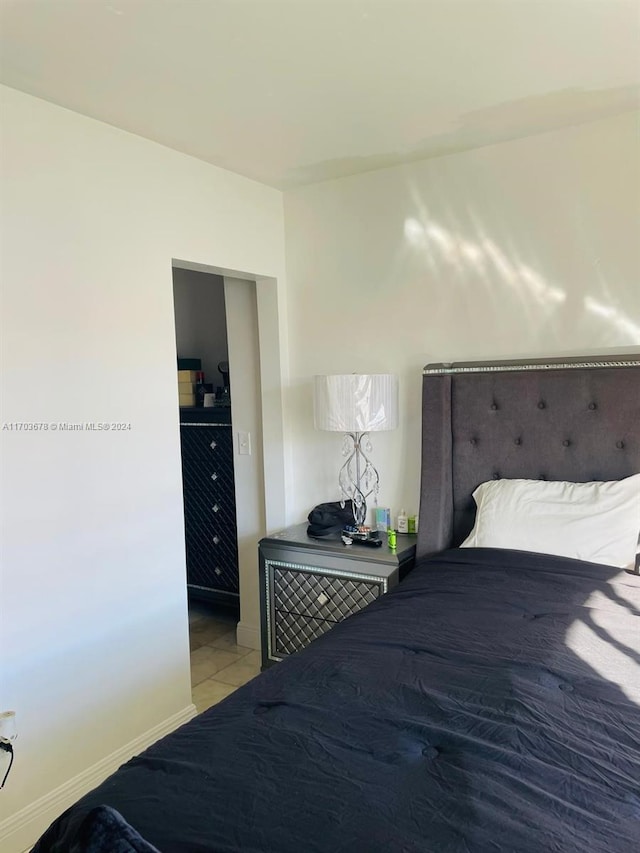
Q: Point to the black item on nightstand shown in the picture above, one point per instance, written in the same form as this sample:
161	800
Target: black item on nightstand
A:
209	506
308	585
328	519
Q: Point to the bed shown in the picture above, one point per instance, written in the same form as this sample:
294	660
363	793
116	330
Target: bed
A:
490	702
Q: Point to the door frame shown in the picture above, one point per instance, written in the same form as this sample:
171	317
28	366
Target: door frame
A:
269	299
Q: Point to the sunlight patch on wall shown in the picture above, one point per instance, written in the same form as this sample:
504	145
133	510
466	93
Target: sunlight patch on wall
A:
539	288
486	259
432	237
500	262
614	317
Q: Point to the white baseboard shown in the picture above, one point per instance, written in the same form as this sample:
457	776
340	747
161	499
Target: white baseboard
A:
248	636
22	829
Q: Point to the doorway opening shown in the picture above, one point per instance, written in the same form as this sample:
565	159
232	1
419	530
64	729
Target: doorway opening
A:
257	407
206	440
217	342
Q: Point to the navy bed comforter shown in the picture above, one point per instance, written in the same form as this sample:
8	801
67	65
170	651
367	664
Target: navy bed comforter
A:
489	703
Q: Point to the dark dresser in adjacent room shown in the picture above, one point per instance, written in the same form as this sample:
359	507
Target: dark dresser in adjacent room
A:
209	504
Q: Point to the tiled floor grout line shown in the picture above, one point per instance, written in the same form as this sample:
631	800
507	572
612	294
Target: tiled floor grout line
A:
214	675
237	665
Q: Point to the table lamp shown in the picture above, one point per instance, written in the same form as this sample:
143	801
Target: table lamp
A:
356	404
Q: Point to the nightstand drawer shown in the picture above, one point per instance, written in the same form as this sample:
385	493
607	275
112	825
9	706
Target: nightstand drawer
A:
321	596
308	585
294	632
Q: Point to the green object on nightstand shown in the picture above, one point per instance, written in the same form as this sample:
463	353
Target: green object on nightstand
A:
309	585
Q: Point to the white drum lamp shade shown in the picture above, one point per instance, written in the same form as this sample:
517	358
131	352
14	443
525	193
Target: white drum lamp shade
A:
355	402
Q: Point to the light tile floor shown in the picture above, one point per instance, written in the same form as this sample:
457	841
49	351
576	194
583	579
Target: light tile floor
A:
218	665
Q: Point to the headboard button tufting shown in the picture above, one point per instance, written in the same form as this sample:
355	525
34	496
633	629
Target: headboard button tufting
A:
592	406
496	476
494	407
518	441
619	444
473	441
541	405
566	442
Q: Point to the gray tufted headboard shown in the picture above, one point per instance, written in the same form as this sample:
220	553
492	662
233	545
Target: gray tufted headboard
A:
557	419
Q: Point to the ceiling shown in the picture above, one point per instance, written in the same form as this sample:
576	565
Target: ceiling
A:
290	92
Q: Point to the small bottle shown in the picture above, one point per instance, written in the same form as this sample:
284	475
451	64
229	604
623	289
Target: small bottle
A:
403	522
200	389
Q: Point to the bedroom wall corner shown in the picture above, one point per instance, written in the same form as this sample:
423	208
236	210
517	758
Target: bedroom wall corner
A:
19	831
522	249
94	629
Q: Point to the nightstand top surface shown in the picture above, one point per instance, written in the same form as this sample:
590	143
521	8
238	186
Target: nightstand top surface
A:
296	537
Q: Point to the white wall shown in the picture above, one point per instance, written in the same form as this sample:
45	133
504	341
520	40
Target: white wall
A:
93	629
200	319
242	324
528	248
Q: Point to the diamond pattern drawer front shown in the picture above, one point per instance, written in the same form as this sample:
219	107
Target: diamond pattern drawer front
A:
308	586
294	632
319	596
212	568
206	441
209	508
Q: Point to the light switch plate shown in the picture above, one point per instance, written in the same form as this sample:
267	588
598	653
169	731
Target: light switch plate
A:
244	443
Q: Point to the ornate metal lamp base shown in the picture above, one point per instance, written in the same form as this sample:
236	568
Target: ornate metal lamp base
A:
358	479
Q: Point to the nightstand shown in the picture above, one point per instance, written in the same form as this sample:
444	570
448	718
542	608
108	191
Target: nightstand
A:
309	585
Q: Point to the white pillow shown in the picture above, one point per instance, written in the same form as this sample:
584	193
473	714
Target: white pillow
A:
596	522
